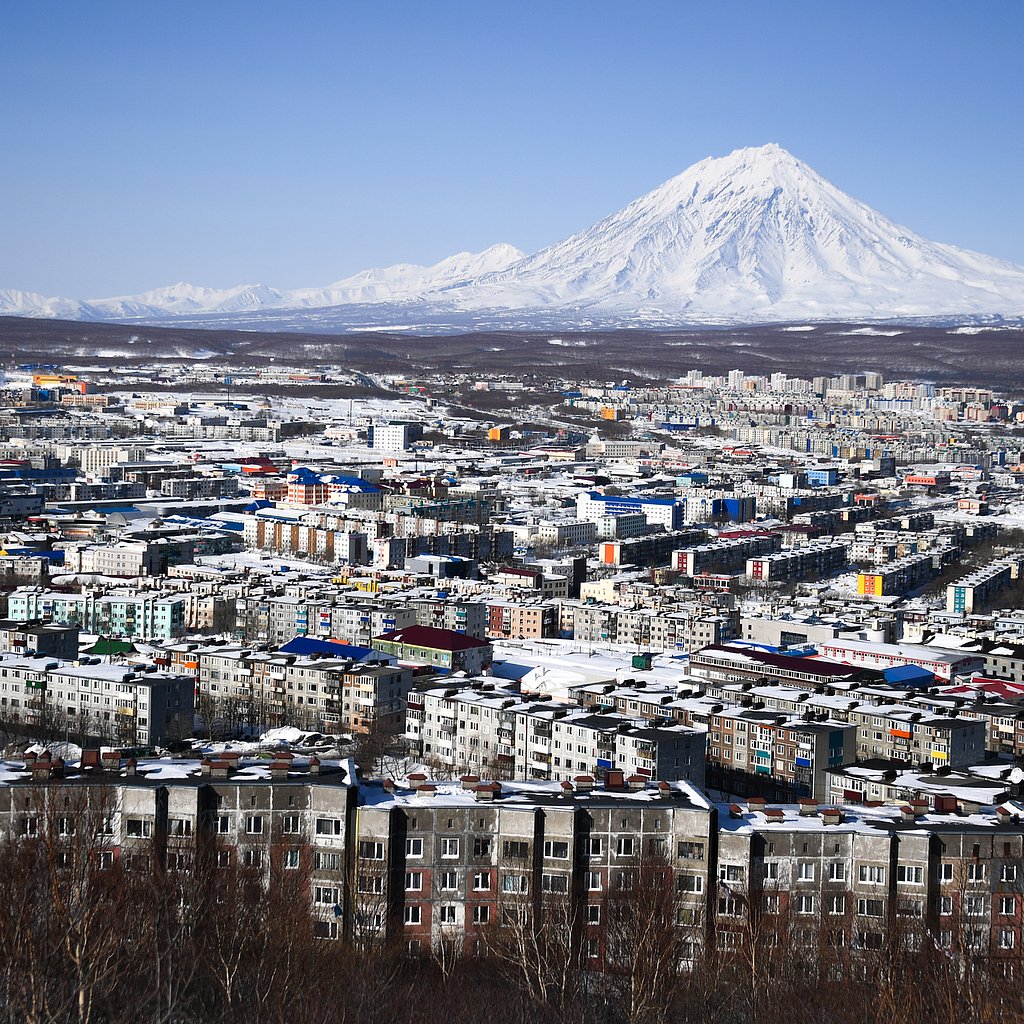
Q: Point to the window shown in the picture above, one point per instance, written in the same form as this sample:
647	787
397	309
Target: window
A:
414	847
446	914
291	859
449	848
325	895
137	828
253	858
805	871
481	847
105	861
870	908
481	881
325	929
254	825
771	870
179	826
66	826
909	875
624	846
327	826
690	883
596	846
946	871
449	881
593	881
326	861
976	872
554	883
837	871
516	884
557	850
945	905
1008	873
910	908
413	881
770	903
974	906
370	851
223	858
731	872
372	885
728	906
515	850
481	915
29	825
871	873
805	903
222	824
290	825
413	915
1005	938
1007	906
593	913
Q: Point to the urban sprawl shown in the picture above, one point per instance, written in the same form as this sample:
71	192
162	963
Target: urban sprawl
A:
453	647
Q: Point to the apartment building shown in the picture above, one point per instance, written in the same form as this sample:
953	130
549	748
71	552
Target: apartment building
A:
151	614
93	699
434	865
443	650
977	589
356	690
468	617
778	756
520	620
36	636
687	628
724	555
488	727
654	549
813	560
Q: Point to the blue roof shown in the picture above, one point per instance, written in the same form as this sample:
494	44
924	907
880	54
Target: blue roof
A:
305	645
255	506
907	673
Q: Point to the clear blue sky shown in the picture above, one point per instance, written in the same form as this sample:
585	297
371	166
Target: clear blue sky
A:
293	144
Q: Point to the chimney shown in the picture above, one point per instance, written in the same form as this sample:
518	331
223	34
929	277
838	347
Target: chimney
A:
131	768
808	807
919	807
469	782
90	758
615	779
428	789
636	783
756	803
906	813
219	769
735	811
388	786
775	814
416	779
314	765
831	816
204	767
279	768
664	789
584	783
566	788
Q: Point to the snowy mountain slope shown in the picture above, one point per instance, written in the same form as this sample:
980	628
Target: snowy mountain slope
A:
754	236
402	282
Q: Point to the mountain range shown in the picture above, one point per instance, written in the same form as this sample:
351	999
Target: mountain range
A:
755	236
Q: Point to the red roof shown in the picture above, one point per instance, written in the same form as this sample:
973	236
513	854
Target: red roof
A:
432	638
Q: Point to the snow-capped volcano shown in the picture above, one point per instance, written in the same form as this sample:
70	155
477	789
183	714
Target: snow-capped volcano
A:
756	235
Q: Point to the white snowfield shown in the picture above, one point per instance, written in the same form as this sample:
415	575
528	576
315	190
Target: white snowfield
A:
754	236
